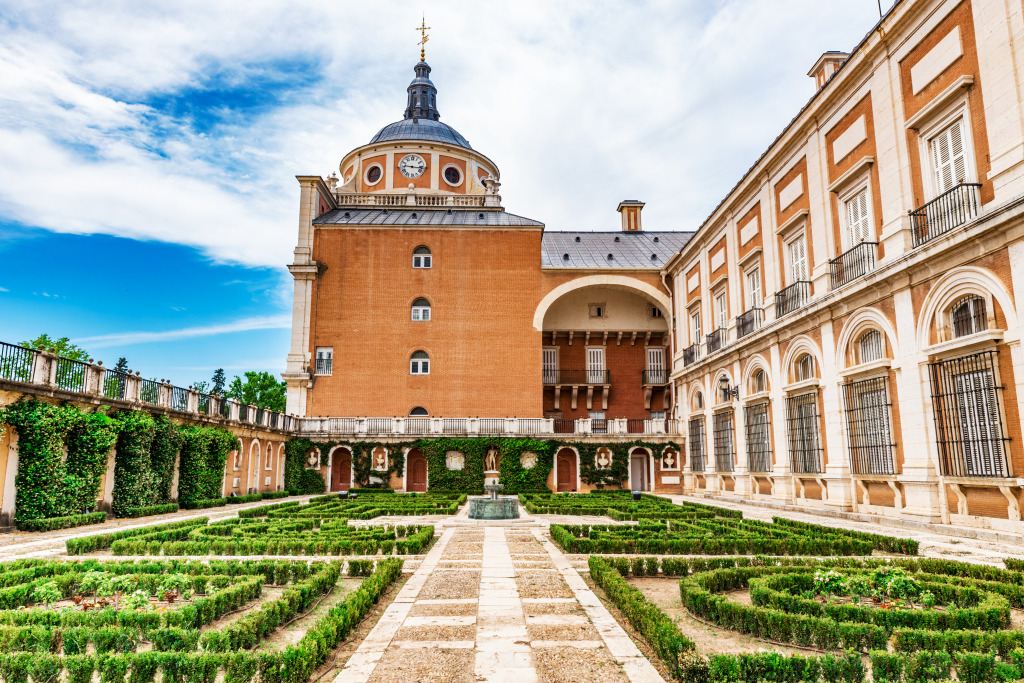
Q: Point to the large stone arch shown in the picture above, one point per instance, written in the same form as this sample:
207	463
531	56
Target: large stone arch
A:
797	346
858	323
612	281
754	363
959	282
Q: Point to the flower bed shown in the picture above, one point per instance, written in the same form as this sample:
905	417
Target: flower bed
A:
48	642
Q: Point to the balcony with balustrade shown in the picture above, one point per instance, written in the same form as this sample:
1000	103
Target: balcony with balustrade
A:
717	340
749	322
792	298
955	207
852	264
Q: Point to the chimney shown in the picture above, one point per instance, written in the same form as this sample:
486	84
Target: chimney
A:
630	210
826	66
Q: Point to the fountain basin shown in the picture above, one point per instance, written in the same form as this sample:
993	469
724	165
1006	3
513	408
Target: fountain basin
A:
494	508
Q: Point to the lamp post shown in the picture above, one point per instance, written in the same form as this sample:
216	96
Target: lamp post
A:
727	392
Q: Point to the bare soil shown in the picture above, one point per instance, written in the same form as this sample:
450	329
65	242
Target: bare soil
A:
446	633
542	585
451	584
456	609
577	665
562	632
530	608
425	665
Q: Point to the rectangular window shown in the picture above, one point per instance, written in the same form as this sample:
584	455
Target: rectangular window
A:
804	439
754	288
656	365
595	365
550	365
324	360
797	259
858	219
867	426
695	328
968	416
725	450
598	424
721	310
697	444
758	435
949	159
596	310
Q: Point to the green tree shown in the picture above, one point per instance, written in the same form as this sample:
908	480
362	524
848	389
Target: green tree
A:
122	365
219	381
260	389
202	386
63	346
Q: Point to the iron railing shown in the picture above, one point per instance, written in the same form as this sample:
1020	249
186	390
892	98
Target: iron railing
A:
203	403
716	340
225	407
757	425
577	377
853	263
179	399
275	419
149	391
804	437
969	425
691	354
951	209
379	425
598	425
725	447
636	425
749	322
697	445
243	413
648	377
454	425
324	366
71	374
115	384
17	362
969	316
413	425
791	298
491	425
563	426
868	430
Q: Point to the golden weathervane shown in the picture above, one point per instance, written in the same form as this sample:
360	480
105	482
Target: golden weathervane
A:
423	28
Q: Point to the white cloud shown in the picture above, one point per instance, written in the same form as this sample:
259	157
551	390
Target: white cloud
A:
580	105
4	289
271	322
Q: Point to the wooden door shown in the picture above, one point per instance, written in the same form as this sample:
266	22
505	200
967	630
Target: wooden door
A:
416	472
566	472
341	470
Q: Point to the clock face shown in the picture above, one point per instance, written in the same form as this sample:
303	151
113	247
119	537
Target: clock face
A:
412	165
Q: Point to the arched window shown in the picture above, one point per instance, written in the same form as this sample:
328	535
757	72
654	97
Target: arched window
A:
804	367
871	346
418	411
968	316
421	257
698	401
421	310
759	382
419	364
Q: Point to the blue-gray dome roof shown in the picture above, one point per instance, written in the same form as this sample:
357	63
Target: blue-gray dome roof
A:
421	129
422	120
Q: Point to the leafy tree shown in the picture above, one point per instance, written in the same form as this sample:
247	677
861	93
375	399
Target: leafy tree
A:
122	365
219	381
201	386
259	389
63	346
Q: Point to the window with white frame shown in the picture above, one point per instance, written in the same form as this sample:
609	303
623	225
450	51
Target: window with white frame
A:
949	157
695	327
871	346
549	364
595	365
721	310
797	251
656	365
419	363
324	360
858	219
421	310
803	368
759	382
422	258
753	287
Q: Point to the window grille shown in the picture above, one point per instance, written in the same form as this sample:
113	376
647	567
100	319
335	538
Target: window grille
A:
697	444
804	367
758	433
804	438
324	360
968	316
968	416
869	432
760	382
725	448
871	346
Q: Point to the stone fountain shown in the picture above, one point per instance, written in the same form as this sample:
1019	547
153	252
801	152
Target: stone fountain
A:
494	507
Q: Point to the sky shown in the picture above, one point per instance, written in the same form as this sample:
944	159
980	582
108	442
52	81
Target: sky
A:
148	151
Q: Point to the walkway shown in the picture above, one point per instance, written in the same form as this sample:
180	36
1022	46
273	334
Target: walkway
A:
497	602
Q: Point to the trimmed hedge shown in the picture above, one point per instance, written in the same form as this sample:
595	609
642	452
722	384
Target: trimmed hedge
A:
68	522
204	504
151	510
86	544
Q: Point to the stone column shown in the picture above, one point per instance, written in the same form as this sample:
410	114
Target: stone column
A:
837	472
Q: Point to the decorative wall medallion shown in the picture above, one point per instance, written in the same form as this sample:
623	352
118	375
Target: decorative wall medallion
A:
669	460
603	458
380	459
455	460
528	460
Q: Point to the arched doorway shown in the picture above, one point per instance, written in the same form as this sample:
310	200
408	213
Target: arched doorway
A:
638	477
341	469
415	471
566	470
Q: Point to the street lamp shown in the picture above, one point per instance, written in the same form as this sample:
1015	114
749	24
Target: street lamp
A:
727	392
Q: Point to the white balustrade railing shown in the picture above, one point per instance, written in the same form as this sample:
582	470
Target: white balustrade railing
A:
477	426
412	199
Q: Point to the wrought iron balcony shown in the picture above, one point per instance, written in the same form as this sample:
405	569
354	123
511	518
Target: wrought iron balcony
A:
796	296
324	366
654	377
853	263
717	340
949	210
691	354
17	362
749	322
577	377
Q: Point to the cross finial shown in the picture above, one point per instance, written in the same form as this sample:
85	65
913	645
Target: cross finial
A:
423	28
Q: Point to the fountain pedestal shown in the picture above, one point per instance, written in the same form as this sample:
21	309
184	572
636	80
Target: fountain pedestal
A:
494	507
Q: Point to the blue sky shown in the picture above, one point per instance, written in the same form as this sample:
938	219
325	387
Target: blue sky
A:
148	205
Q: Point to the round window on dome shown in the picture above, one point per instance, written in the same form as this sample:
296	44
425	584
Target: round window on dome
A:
373	174
453	175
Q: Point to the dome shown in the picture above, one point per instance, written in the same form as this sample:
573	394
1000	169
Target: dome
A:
421	129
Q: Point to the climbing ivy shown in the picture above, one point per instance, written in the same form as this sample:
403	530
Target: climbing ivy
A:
296	477
204	452
362	462
163	456
618	473
133	485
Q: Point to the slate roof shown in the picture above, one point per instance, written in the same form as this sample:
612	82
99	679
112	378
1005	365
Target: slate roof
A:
627	249
421	129
419	216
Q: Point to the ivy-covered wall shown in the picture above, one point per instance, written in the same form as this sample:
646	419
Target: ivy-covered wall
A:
296	477
204	452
